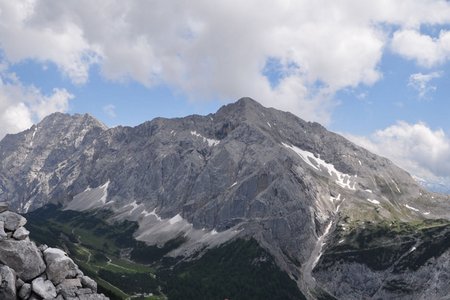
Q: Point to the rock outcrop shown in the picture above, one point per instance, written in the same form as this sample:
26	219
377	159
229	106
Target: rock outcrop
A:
31	272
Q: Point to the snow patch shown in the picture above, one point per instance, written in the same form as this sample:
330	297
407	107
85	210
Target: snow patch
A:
211	142
269	124
32	136
396	186
411	208
359	162
369	191
27	206
134	206
332	199
176	219
373	201
321	243
152	213
233	184
318	164
426	213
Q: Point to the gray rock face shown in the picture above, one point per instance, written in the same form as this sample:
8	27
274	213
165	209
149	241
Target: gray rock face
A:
7	284
23	256
25	291
43	288
3	234
21	233
244	171
11	220
89	283
59	265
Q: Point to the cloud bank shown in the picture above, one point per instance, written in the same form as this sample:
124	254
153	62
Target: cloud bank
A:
21	106
416	148
292	55
220	49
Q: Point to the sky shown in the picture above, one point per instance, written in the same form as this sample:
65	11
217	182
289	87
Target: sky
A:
375	71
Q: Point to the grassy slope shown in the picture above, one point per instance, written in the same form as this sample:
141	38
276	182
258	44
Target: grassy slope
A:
390	245
238	270
96	246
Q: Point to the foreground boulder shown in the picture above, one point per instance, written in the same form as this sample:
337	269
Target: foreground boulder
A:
28	272
23	256
59	265
11	220
8	283
43	288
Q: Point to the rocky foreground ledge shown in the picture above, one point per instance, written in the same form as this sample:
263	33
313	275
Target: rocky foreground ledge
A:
33	273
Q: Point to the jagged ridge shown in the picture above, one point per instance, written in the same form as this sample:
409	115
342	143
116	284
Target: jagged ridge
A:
243	171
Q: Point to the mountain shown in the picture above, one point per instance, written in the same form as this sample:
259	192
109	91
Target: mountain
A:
315	201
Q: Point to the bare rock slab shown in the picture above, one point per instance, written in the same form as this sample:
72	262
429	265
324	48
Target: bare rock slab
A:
21	233
12	220
23	256
7	283
59	265
43	288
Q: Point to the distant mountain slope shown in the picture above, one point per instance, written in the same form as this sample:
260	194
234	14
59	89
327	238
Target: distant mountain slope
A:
245	171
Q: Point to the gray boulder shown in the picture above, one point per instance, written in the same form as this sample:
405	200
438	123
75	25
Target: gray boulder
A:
43	288
3	234
12	220
21	233
92	297
89	283
42	247
70	283
8	283
23	256
25	291
19	283
59	265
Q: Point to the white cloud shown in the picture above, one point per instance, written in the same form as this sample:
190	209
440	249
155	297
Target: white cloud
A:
417	148
110	110
424	49
21	105
422	82
21	38
218	49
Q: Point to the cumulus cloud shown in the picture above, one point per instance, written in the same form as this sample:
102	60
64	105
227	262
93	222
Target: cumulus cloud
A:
424	49
22	105
417	148
422	83
220	49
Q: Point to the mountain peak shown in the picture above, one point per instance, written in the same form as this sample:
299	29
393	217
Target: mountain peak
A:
244	108
247	101
58	118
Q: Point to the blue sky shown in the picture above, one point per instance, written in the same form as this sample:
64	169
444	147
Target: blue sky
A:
375	71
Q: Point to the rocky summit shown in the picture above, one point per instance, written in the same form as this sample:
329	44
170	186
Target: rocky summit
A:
31	272
319	204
